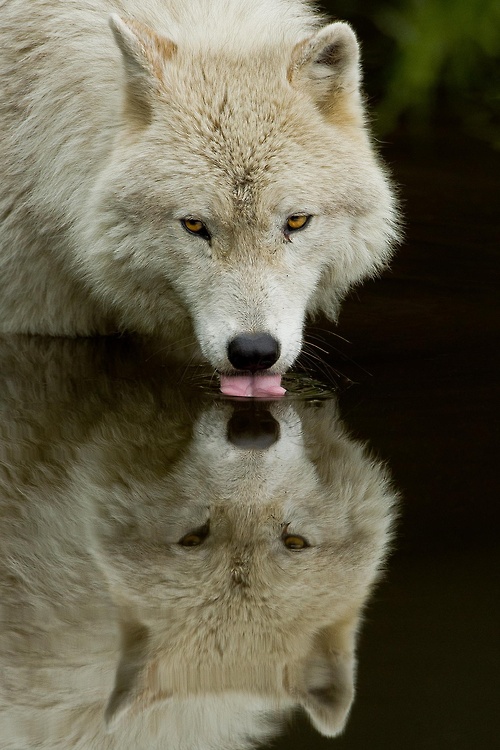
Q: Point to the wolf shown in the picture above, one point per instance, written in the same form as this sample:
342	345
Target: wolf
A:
175	572
198	171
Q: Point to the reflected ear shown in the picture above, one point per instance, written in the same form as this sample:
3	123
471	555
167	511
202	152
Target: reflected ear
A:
326	66
133	688
323	682
145	54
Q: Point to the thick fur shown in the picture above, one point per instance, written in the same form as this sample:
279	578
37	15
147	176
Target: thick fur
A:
120	117
113	636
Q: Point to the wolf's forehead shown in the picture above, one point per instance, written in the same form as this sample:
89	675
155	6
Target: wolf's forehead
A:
242	171
245	145
242	122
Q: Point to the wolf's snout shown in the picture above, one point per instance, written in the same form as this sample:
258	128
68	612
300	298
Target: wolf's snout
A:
253	351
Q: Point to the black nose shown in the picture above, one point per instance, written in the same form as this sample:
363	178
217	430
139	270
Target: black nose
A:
252	428
253	351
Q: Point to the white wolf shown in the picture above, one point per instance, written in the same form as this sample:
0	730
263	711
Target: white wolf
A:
150	564
195	170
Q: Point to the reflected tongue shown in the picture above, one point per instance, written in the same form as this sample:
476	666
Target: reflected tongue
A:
257	386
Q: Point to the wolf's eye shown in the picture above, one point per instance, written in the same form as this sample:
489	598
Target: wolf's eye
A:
296	221
195	226
196	537
293	541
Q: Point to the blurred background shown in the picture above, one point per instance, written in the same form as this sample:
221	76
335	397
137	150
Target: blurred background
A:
429	64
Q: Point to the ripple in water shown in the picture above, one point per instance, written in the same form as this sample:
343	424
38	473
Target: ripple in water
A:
298	386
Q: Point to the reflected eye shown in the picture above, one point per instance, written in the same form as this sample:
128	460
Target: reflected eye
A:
293	541
297	221
195	226
196	537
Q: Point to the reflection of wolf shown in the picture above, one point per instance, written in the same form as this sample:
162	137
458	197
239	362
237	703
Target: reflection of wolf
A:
150	564
201	171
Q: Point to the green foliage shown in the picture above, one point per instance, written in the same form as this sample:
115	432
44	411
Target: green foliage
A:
430	57
449	48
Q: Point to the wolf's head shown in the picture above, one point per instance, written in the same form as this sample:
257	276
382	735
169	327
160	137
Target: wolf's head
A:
243	566
242	194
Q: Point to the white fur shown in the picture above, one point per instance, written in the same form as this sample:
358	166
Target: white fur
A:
233	112
104	615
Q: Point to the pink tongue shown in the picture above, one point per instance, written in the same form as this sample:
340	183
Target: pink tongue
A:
258	386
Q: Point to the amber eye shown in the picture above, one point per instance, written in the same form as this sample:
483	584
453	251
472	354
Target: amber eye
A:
195	226
196	537
292	541
297	221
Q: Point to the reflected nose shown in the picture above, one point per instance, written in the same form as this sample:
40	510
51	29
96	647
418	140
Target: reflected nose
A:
252	428
253	351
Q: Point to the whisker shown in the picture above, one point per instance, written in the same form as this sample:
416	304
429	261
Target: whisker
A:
320	348
344	356
328	331
330	373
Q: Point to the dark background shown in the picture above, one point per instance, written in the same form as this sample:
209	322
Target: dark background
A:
422	358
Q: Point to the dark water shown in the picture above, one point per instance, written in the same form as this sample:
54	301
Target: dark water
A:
146	518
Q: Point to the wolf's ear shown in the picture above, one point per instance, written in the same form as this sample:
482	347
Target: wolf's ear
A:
132	688
327	67
145	54
323	682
